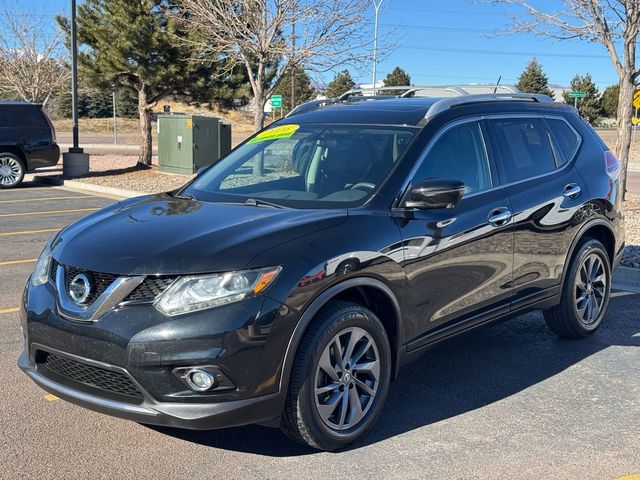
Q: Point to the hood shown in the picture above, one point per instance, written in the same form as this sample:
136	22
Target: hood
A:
161	234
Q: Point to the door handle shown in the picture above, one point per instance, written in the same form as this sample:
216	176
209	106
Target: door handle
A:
499	216
572	190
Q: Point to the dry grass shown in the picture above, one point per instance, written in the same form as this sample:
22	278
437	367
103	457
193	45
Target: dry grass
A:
129	126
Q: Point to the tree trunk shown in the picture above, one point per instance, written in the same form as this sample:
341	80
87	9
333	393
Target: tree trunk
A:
625	110
258	115
144	113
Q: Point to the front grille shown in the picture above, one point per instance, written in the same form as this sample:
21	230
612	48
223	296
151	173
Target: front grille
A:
54	270
90	376
100	281
149	289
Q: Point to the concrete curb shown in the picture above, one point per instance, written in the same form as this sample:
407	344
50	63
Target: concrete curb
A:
88	187
627	278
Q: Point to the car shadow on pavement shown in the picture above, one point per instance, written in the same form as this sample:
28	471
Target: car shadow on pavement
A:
455	377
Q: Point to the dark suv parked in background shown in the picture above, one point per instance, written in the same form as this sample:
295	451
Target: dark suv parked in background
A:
289	282
27	141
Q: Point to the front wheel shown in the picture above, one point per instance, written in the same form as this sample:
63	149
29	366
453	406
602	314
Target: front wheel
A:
340	378
585	293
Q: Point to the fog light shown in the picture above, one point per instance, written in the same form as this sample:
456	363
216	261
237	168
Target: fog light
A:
200	380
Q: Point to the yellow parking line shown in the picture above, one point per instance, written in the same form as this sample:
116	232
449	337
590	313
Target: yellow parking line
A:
9	310
28	232
16	262
49	212
50	397
43	199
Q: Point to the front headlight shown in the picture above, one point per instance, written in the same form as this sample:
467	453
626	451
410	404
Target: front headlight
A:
192	293
43	265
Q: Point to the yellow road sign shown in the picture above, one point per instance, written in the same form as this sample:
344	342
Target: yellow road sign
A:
635	120
636	99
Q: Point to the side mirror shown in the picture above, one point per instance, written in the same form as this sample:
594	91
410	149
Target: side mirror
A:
435	193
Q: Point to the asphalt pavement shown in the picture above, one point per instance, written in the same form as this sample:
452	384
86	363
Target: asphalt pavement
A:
511	401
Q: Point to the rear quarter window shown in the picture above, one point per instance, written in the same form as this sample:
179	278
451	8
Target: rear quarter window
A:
565	137
22	116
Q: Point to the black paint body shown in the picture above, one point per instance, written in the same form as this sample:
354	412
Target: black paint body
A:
26	132
428	274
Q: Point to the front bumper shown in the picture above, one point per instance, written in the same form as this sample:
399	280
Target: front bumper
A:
245	342
170	414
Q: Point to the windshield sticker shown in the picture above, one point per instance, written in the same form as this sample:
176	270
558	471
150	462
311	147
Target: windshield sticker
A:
284	131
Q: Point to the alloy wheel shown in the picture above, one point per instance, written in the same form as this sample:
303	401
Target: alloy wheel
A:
347	378
590	289
10	171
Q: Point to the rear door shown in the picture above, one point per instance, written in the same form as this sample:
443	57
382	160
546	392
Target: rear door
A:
533	154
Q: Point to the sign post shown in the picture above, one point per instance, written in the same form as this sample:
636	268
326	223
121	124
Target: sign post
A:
635	120
276	102
576	94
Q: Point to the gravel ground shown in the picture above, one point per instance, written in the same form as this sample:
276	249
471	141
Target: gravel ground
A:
632	231
121	171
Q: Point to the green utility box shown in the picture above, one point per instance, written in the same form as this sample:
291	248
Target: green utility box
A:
187	143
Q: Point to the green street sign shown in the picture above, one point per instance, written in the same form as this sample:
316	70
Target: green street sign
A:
577	94
276	101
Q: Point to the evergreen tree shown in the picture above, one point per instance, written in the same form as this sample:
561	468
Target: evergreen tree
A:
533	79
610	101
340	84
590	107
137	46
304	90
232	90
396	78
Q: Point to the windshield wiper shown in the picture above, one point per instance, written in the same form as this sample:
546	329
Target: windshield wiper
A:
254	202
186	195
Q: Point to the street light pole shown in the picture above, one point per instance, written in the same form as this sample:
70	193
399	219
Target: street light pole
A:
74	80
376	5
75	163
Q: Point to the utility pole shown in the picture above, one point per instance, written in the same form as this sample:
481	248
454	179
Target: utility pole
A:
115	126
376	5
293	70
75	163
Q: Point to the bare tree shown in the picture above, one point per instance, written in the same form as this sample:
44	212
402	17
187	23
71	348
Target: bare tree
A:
32	63
328	34
614	24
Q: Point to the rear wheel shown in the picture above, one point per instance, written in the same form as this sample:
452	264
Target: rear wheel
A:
340	378
12	170
585	294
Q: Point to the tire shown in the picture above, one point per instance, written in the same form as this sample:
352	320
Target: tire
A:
571	317
12	170
337	324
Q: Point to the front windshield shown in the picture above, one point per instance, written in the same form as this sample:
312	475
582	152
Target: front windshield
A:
305	166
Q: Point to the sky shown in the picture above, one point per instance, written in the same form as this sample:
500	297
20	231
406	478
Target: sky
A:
452	42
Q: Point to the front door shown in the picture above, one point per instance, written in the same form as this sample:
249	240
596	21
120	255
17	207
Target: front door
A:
459	260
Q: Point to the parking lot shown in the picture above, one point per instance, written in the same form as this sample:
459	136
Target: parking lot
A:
511	401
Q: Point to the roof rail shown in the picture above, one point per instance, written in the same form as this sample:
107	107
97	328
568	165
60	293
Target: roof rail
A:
458	95
447	103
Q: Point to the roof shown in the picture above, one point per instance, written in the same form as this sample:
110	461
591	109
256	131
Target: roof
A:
18	103
392	111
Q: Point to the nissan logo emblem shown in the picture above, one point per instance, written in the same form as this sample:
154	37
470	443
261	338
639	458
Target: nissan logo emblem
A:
80	288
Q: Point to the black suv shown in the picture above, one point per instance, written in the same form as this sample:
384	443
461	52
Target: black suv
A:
27	141
289	282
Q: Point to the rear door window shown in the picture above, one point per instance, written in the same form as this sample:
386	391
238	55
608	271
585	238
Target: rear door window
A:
523	146
565	137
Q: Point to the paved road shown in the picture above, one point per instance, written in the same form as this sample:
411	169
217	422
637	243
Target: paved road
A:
511	401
